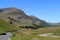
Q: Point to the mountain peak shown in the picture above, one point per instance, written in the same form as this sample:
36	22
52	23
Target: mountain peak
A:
12	11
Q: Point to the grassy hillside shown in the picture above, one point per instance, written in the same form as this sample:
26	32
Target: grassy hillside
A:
29	34
4	26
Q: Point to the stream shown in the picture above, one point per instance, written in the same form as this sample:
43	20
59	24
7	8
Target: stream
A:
6	37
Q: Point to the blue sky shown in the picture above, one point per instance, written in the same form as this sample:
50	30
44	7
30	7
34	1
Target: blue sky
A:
48	10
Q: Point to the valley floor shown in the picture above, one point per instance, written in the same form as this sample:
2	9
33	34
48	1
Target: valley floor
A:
29	34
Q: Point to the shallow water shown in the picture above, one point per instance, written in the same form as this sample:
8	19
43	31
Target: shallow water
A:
5	37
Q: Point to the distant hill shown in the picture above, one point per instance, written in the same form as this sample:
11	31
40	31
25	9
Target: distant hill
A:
55	24
18	18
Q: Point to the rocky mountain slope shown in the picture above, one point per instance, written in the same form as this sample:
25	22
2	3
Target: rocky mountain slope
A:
18	18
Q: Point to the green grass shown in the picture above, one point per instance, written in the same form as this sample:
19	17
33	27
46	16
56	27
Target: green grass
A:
32	37
48	38
48	30
4	26
27	34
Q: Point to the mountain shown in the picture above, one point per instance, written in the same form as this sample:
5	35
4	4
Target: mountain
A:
55	24
18	18
38	21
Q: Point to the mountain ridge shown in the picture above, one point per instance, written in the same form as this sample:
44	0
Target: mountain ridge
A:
17	17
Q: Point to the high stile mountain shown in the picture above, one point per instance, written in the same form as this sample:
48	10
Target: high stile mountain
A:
17	17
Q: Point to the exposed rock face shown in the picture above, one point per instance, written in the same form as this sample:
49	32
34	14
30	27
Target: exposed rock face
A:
17	17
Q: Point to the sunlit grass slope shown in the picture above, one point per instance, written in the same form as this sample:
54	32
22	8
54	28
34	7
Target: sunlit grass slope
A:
4	26
29	34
